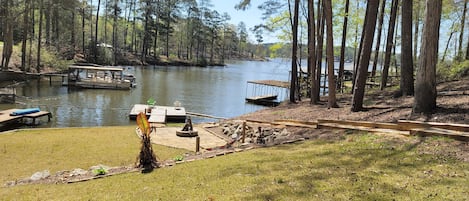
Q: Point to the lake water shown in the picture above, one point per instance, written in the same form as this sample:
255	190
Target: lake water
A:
217	91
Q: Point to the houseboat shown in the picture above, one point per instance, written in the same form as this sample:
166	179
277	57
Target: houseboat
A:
99	77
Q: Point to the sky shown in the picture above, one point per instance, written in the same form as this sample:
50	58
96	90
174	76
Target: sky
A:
251	16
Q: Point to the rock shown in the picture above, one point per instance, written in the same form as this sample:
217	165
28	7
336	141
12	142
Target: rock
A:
40	175
248	140
284	132
268	132
245	144
97	167
78	171
234	136
226	131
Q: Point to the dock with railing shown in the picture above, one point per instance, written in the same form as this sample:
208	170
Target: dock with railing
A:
266	92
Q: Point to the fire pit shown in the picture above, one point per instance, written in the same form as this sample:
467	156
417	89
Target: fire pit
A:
188	130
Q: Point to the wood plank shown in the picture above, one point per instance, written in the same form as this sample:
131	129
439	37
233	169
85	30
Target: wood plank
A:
296	121
283	124
362	128
457	135
362	123
204	115
5	116
409	125
37	114
274	83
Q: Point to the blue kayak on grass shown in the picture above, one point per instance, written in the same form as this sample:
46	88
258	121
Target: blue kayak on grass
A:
25	111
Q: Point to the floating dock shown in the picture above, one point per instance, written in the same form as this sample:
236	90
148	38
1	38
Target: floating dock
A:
267	100
6	118
159	114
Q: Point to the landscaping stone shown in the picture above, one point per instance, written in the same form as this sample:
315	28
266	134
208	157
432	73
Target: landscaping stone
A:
40	175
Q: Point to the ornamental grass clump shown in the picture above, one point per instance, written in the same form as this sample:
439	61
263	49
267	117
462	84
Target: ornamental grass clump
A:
146	159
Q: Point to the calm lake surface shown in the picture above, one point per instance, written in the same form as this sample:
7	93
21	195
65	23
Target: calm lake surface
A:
217	91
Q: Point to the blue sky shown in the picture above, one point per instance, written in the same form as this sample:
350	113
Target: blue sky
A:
251	16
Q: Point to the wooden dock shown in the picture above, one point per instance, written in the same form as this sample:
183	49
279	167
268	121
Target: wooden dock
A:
273	83
155	114
6	118
266	100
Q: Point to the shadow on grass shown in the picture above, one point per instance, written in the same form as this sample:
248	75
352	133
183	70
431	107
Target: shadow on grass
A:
360	167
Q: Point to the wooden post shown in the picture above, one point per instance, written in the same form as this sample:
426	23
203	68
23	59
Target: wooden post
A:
197	144
244	131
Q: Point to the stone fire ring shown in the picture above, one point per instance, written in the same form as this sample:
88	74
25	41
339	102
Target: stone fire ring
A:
193	133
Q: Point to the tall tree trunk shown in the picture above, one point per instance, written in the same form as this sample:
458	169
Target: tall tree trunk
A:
467	50
461	35
360	50
83	16
294	66
389	44
362	73
312	51
30	56
319	49
114	33
56	26
445	52
73	31
41	13
106	12
331	101
127	20
133	36
91	19
342	48
48	23
425	89
378	40
416	29
145	33
393	55
407	63
8	35
25	34
95	41
168	27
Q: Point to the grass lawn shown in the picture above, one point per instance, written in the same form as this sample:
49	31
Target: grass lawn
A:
25	152
358	167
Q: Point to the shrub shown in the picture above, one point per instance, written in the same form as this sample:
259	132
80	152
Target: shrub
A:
452	71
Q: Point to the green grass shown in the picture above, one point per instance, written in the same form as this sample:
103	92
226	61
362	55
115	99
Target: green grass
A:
25	152
360	167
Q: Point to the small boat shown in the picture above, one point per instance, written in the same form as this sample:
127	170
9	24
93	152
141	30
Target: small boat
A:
99	77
